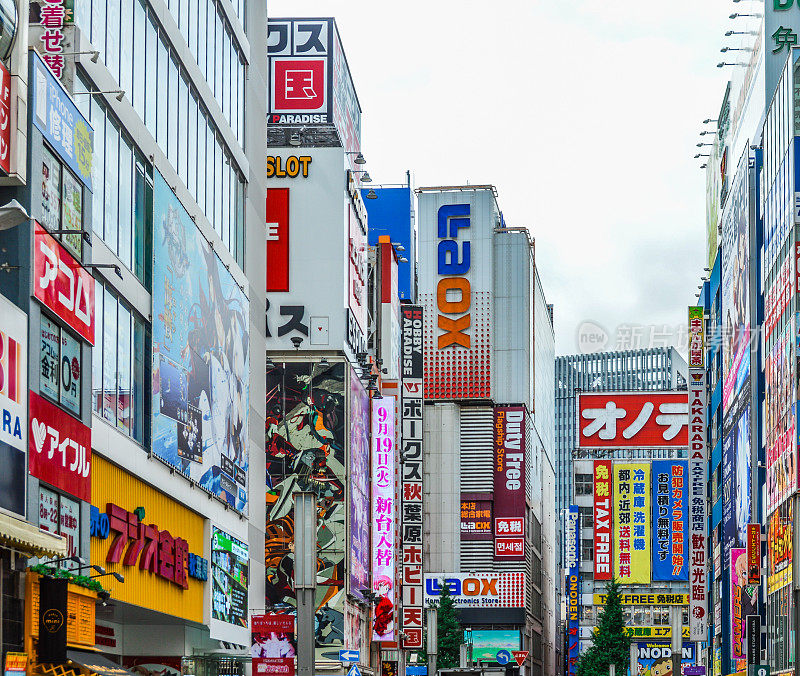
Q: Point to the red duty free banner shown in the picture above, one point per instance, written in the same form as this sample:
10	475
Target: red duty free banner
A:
59	448
277	239
63	284
633	420
509	482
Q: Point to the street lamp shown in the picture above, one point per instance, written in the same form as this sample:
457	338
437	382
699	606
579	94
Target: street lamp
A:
305	577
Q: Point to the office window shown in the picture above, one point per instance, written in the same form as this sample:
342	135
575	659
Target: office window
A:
60	368
120	375
587	550
110	229
60	515
142	37
584	484
172	121
127	29
113	37
162	105
587	517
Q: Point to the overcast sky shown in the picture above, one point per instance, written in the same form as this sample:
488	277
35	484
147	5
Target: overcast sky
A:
583	113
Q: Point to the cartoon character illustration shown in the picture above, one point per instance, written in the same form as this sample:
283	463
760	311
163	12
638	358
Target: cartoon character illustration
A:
384	611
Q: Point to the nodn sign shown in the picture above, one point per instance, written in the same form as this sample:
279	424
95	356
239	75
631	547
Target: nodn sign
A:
783	5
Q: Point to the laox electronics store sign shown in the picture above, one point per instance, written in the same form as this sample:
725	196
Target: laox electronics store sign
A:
477	590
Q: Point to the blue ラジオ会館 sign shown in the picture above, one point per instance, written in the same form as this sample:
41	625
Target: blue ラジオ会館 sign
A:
61	123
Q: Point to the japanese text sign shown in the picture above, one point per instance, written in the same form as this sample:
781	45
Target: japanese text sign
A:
13	404
743	601
63	284
603	532
273	646
60	121
632	542
59	448
5	119
697	342
509	482
754	553
53	15
698	528
476	517
477	590
670	520
383	517
632	420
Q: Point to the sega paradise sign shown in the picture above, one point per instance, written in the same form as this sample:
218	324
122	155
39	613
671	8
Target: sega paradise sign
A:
477	590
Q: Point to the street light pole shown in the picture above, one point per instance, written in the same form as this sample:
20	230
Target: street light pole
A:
432	643
305	577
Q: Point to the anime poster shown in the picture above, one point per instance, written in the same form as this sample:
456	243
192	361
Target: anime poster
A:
655	659
744	602
201	364
736	287
779	548
736	467
273	646
305	438
359	488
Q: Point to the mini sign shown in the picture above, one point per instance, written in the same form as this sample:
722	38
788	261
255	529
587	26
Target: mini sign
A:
753	553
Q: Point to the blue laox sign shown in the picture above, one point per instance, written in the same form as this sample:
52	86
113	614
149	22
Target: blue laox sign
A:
452	265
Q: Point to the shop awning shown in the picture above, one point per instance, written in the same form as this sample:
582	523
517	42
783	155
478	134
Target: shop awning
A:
25	537
95	663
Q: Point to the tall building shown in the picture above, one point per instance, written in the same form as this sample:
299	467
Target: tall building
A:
139	198
627	371
488	444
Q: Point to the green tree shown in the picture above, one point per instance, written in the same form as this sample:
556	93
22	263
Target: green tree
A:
449	632
611	644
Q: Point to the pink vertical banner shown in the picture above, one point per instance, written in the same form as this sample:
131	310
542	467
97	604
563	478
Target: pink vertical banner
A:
383	517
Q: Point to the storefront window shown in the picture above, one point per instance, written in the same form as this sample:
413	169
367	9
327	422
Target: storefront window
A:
60	365
60	515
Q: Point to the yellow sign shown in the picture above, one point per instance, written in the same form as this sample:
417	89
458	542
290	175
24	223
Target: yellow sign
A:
16	661
290	167
653	632
142	586
632	537
647	599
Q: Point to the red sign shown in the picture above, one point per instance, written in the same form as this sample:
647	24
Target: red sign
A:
603	533
520	656
753	553
277	239
273	645
299	85
509	482
633	420
59	448
63	284
5	119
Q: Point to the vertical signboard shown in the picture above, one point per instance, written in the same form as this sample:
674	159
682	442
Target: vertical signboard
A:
277	239
573	592
632	538
273	646
5	119
670	520
602	519
383	518
744	601
754	553
411	473
509	483
359	487
13	405
698	473
697	350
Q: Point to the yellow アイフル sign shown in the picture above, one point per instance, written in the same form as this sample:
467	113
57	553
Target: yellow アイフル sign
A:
632	537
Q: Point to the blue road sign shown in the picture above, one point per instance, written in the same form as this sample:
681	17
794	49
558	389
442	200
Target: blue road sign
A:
354	671
417	670
504	656
349	655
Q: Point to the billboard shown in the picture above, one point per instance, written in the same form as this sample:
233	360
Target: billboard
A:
305	437
277	261
603	519
359	488
735	286
411	472
779	548
780	393
384	517
670	520
697	342
697	523
736	467
744	601
309	79
509	482
13	405
476	516
632	538
201	358
573	586
632	420
486	643
477	590
273	646
655	659
230	577
456	287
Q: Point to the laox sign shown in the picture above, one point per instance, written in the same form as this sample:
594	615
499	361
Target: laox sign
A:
469	586
453	264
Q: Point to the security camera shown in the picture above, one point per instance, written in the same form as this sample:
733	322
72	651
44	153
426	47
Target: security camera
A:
297	341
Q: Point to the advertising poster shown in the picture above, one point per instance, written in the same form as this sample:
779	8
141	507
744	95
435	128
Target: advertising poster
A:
632	537
230	574
735	286
603	520
736	463
486	643
779	548
477	590
509	483
13	406
744	601
273	646
632	420
779	425
359	488
697	522
670	520
655	658
476	516
384	519
573	586
201	361
305	440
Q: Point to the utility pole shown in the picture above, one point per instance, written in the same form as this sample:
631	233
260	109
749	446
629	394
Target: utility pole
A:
676	622
432	639
305	577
